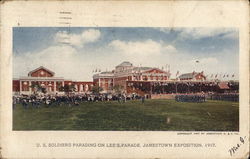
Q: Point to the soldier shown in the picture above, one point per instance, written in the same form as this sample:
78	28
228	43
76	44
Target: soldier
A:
14	102
143	99
25	103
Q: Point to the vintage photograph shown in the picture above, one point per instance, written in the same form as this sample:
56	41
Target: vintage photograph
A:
125	78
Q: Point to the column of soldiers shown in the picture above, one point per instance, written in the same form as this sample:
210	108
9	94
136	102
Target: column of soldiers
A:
35	101
191	98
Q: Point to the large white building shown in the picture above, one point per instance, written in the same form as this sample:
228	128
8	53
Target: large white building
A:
125	73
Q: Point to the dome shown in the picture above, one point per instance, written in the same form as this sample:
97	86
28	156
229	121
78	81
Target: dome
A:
125	64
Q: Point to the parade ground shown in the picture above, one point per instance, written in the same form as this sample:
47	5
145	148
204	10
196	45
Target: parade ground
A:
153	115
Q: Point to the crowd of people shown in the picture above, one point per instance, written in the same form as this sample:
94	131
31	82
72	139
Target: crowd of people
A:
201	97
191	98
184	92
225	97
37	101
185	87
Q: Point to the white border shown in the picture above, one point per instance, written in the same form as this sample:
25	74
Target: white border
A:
21	144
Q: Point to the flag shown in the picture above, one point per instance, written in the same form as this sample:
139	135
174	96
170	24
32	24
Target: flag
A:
224	76
216	75
197	61
232	75
167	67
212	75
228	75
177	73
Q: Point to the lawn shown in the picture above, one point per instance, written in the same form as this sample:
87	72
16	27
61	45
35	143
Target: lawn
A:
156	115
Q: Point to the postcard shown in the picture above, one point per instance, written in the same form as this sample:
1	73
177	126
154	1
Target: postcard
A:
123	79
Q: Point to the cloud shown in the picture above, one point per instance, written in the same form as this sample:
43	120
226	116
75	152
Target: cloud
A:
66	56
230	35
62	59
78	40
170	49
76	61
90	35
207	64
165	30
199	33
141	48
205	61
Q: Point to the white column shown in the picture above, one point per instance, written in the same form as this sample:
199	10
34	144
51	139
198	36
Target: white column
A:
76	88
99	82
81	88
20	86
54	86
63	83
86	88
30	87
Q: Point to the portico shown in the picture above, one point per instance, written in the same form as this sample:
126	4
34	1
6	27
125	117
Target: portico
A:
50	84
45	80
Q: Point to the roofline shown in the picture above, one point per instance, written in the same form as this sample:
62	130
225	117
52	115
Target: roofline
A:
156	69
124	62
39	78
41	67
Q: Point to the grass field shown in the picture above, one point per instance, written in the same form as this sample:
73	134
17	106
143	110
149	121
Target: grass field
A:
157	115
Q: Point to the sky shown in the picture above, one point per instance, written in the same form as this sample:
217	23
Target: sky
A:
74	52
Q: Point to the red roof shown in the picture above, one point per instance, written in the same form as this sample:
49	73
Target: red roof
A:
39	68
223	85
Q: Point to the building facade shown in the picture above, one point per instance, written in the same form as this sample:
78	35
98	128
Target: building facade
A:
124	78
125	75
46	79
194	76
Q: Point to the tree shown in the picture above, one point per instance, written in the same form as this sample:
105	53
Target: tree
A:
96	89
60	87
37	88
67	88
43	90
118	89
